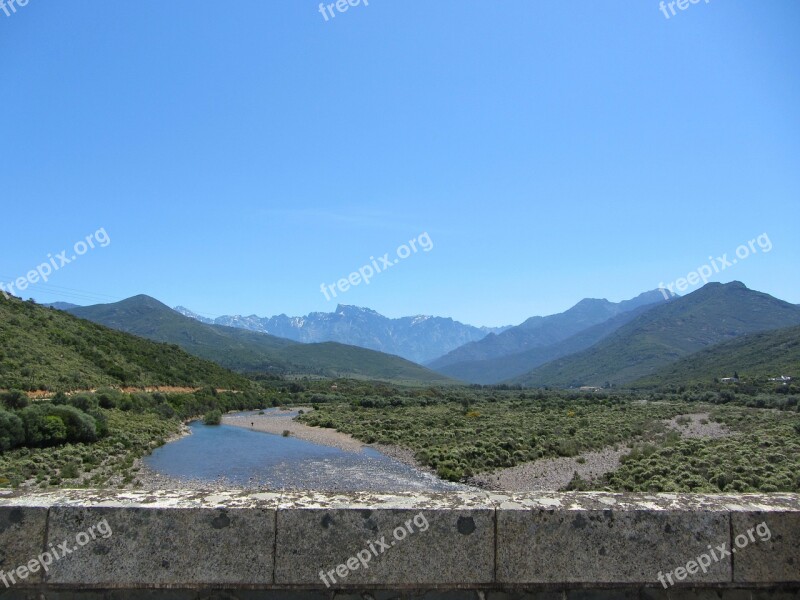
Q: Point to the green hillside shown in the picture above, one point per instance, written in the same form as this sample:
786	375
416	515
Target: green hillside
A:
496	370
758	355
715	313
45	348
249	351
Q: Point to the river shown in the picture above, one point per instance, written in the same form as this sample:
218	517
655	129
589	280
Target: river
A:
225	454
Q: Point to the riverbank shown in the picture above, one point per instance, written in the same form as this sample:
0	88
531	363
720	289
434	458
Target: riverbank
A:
542	475
546	475
247	451
280	420
148	479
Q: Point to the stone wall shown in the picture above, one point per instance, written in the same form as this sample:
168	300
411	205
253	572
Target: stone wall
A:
471	545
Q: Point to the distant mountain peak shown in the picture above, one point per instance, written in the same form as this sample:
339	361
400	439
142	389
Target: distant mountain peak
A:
419	338
142	300
349	309
592	302
61	305
191	314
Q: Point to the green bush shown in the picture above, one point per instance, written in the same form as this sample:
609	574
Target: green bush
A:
213	417
53	430
14	399
42	428
49	425
12	431
83	402
80	426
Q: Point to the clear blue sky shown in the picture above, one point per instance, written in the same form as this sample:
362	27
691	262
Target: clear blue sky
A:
241	154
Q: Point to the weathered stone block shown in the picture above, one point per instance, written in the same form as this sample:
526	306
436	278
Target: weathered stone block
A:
164	546
391	541
622	545
767	547
22	534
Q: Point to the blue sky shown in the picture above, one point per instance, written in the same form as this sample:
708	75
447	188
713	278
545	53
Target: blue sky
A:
239	155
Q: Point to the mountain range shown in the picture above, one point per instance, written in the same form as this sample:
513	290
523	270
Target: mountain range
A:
250	351
419	339
647	341
538	340
669	332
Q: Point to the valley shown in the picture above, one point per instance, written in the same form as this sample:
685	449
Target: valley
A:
85	402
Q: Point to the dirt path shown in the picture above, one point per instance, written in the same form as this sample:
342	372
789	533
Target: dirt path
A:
164	389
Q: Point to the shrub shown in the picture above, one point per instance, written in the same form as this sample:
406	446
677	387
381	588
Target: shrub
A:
108	398
14	399
41	428
100	422
60	398
53	430
213	417
82	402
166	411
80	426
12	431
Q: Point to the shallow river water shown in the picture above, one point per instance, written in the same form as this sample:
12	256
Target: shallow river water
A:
244	458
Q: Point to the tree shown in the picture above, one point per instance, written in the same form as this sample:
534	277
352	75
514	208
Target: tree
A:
213	417
14	399
12	431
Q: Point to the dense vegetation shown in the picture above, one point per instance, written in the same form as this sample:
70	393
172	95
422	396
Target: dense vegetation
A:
126	426
46	349
249	351
462	437
758	356
47	424
467	431
457	432
763	456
